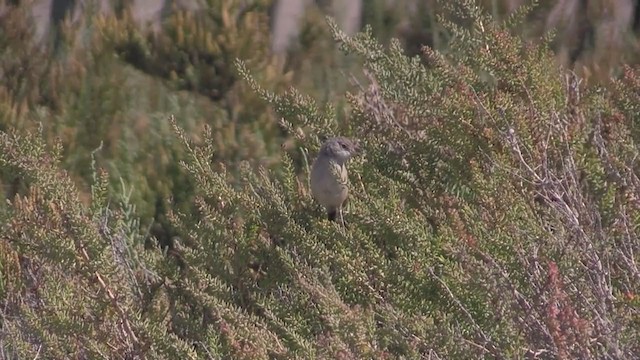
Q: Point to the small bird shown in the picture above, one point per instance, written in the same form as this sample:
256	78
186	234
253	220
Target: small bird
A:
329	178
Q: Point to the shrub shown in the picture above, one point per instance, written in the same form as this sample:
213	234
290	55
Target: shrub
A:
493	214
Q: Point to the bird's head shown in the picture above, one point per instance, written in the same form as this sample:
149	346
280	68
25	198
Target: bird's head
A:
339	149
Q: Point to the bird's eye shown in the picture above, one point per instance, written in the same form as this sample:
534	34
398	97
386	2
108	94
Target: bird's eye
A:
344	146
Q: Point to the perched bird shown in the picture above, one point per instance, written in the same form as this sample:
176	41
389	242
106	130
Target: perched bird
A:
329	178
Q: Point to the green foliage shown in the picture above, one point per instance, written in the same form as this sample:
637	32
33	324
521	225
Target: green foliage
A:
82	279
87	98
493	213
505	155
195	50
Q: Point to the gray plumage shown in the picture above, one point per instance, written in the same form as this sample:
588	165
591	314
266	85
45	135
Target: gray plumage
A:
329	177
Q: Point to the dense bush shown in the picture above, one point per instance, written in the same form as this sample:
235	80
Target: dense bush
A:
494	212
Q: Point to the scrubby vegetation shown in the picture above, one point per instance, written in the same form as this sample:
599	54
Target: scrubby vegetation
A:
156	200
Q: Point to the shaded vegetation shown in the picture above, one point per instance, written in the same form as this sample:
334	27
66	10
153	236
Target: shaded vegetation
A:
156	202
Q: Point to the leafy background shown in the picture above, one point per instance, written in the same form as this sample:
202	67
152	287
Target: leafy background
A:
156	201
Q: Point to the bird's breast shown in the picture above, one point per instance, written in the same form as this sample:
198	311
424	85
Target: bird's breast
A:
329	183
